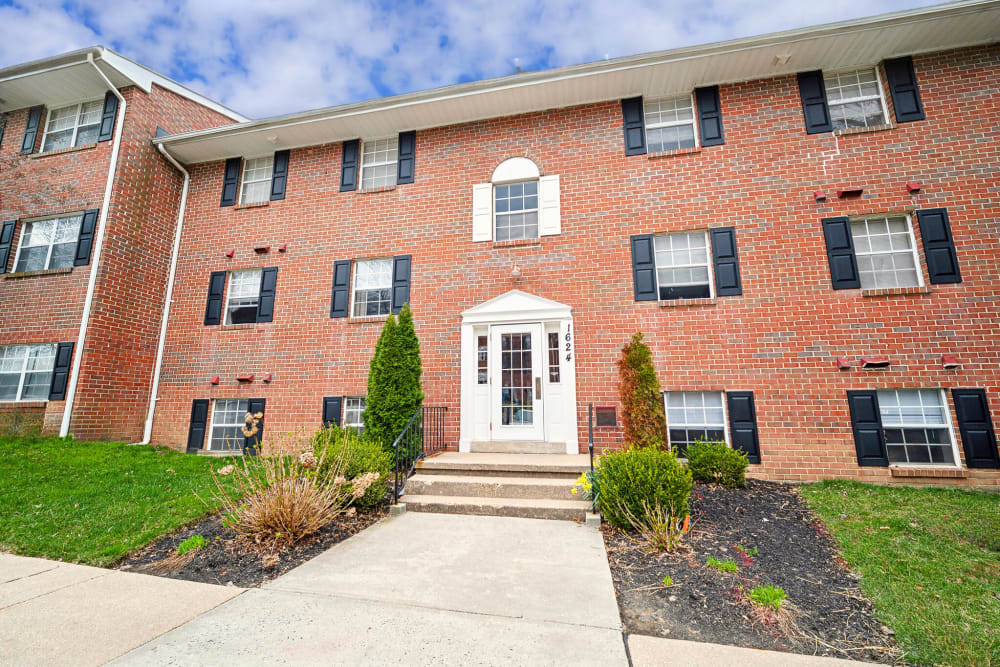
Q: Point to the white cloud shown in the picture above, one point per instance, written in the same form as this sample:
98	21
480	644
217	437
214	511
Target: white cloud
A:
276	57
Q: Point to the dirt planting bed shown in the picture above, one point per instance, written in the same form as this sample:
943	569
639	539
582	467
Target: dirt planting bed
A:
825	612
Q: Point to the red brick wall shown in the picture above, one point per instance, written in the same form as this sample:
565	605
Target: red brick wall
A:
114	390
779	339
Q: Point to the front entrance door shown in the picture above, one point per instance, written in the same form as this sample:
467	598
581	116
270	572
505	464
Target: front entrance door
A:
516	399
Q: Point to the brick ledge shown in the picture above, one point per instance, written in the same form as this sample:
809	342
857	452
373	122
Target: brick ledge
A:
678	151
948	472
63	151
256	204
895	291
32	274
381	188
863	130
516	243
19	405
367	319
684	303
237	327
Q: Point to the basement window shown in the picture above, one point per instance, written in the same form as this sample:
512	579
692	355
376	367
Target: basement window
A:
228	419
378	162
915	424
693	416
354	409
73	125
243	297
48	244
26	372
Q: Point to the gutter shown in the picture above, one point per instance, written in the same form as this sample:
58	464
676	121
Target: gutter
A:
88	304
148	429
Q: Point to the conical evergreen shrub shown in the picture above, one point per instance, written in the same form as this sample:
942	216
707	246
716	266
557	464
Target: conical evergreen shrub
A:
643	420
394	392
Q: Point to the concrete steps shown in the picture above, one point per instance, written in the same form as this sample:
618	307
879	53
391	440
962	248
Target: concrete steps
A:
537	486
517	447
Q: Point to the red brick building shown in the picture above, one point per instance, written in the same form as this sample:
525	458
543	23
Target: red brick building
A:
88	210
804	226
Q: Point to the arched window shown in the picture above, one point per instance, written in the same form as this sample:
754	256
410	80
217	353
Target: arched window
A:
515	200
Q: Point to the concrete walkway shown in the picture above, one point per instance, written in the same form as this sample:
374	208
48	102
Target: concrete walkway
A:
421	589
55	613
659	652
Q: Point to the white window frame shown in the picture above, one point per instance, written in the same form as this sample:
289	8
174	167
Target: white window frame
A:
949	423
361	159
212	424
676	123
244	182
354	282
229	293
725	413
19	398
913	244
881	95
48	256
537	209
76	122
710	263
359	426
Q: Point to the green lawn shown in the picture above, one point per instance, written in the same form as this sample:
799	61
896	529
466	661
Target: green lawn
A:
930	561
95	502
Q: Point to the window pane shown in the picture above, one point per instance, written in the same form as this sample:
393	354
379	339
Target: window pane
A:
915	426
257	180
244	295
378	162
516	207
885	252
854	99
8	386
372	287
32	259
228	419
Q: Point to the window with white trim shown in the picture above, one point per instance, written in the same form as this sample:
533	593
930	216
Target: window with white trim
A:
693	416
229	416
354	409
378	162
915	425
256	186
670	124
515	207
855	98
74	125
886	252
48	244
26	372
372	293
243	296
682	266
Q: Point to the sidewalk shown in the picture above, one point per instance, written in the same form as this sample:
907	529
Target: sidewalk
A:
55	613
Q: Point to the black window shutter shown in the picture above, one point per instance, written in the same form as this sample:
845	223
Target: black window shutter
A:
643	268
840	253
727	262
814	106
85	242
3	125
6	239
108	117
331	410
251	443
743	423
31	129
349	166
407	157
268	285
340	302
400	281
199	424
974	423
709	116
279	175
866	422
60	372
230	181
216	294
904	90
939	246
635	126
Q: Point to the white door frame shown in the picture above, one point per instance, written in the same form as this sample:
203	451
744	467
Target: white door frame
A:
535	430
517	307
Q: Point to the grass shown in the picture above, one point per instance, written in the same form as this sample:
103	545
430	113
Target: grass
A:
930	561
95	502
192	543
724	565
769	596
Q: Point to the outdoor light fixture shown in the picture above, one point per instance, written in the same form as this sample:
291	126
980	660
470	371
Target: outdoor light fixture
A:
515	273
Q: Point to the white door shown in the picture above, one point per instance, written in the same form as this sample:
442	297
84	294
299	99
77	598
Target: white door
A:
516	399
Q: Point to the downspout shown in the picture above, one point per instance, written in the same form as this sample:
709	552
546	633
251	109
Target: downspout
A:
88	303
147	432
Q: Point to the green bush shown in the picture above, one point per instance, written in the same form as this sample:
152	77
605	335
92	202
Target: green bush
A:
634	479
363	455
717	462
643	420
394	392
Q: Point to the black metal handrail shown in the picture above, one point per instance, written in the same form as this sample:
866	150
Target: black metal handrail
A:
422	435
590	446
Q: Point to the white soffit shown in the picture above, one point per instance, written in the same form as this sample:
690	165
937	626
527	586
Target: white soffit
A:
841	45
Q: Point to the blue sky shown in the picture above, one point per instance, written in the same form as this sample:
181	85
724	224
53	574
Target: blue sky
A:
281	56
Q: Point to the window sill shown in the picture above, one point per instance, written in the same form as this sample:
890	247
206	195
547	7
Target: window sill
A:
367	319
684	303
237	327
863	130
516	243
381	188
63	151
678	151
895	291
219	454
13	405
32	274
256	204
941	472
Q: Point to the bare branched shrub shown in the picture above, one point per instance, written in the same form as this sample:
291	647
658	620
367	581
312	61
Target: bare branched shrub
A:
659	526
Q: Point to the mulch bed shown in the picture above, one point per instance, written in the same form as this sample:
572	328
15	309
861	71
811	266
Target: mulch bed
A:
223	561
828	614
